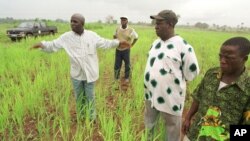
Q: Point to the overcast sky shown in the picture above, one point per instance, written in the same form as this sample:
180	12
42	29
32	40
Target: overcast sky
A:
221	12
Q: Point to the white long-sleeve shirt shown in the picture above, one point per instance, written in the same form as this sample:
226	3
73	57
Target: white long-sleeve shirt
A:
82	52
170	64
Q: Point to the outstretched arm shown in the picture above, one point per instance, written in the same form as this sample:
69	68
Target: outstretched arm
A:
49	46
36	46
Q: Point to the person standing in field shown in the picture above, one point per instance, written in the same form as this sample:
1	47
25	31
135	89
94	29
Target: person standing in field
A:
81	46
223	96
123	33
171	62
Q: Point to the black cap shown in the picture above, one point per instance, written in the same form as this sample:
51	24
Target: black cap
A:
167	15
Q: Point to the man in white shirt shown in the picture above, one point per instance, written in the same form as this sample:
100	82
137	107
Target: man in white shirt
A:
81	46
171	62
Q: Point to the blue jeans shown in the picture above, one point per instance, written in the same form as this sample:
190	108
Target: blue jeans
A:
85	98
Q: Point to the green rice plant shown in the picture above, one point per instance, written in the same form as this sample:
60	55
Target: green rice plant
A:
41	128
64	130
108	126
18	111
126	119
79	135
35	85
4	118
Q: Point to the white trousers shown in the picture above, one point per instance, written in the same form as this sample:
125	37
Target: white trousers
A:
172	122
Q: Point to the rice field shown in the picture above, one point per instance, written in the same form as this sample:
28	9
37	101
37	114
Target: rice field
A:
36	95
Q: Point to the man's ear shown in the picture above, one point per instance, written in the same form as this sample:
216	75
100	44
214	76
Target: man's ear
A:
171	24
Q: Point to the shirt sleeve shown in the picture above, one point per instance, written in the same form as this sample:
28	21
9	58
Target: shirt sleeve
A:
189	63
246	114
54	45
200	89
106	43
197	94
134	35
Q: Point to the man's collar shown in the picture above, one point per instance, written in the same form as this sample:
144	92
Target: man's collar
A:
79	34
124	28
241	81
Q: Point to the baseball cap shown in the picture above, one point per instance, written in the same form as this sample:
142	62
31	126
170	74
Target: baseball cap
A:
123	17
167	15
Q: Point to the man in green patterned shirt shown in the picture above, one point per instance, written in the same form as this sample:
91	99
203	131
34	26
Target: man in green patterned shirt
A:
223	96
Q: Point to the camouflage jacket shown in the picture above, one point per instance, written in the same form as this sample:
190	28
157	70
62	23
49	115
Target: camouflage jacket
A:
218	109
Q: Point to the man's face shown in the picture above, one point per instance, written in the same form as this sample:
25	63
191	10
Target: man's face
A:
124	22
76	24
231	60
161	27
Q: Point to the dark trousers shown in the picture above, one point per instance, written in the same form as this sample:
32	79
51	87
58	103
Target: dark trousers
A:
119	57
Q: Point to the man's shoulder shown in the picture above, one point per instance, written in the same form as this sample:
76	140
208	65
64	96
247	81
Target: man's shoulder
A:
67	34
90	33
244	80
131	29
215	71
156	41
177	39
247	75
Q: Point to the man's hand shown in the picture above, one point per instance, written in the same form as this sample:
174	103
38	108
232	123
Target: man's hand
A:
185	126
36	46
124	44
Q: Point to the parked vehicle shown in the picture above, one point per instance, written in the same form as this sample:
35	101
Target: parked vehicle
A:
28	29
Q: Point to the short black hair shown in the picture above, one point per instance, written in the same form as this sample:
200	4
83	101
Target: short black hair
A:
242	42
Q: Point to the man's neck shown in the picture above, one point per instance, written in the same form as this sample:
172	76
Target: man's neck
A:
231	77
168	36
124	27
80	32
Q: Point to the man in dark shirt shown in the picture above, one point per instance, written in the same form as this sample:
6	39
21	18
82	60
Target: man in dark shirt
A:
223	96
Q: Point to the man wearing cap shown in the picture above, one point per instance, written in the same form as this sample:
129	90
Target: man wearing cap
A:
123	33
81	46
171	62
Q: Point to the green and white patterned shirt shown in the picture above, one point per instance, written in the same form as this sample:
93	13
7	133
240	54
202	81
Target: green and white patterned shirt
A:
218	109
170	64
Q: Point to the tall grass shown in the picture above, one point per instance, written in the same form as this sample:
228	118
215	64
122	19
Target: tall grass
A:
36	94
